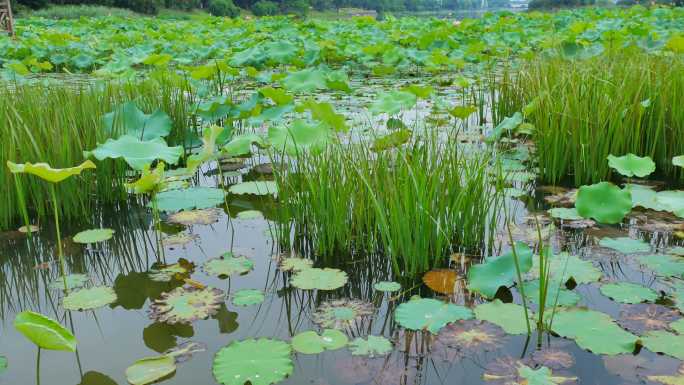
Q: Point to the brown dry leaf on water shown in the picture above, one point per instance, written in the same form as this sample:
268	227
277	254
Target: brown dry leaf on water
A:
471	336
443	281
553	358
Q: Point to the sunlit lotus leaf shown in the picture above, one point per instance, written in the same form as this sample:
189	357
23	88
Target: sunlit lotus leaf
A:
641	318
46	172
94	236
227	265
556	295
664	264
179	239
306	80
393	102
74	281
194	217
150	181
392	140
627	292
553	358
299	137
319	279
509	316
165	273
660	341
255	188
472	336
429	314
259	362
248	297
371	346
188	199
341	313
242	144
151	369
442	280
185	305
135	152
678	161
565	213
625	245
250	214
45	332
295	264
310	342
487	277
604	202
128	119
593	330
387	286
631	165
89	299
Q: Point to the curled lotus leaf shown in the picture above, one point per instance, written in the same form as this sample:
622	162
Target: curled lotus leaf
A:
248	297
625	245
185	305
429	314
553	358
88	299
74	281
604	202
387	286
46	172
259	362
631	165
295	264
150	180
255	188
593	330
640	318
227	265
660	341
443	281
194	217
310	342
137	153
627	292
340	313
45	332
472	336
319	279
664	264
94	236
509	316
188	199
165	273
371	346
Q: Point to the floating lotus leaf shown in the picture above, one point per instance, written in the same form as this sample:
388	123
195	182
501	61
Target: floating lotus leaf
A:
442	281
672	201
593	330
45	332
644	196
250	214
678	161
640	318
556	295
371	346
509	316
185	305
128	119
631	165
259	362
472	336
387	286
565	213
255	188
194	217
341	313
299	137
135	152
190	198
149	370
248	297
660	341
295	264
487	277
227	265
46	172
94	236
429	314
553	358
604	202
88	299
627	292
179	239
179	271
74	281
664	264
311	343
319	279
625	245
393	102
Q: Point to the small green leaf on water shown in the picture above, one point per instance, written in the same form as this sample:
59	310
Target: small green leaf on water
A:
387	286
319	279
259	362
509	316
556	294
627	292
255	188
372	346
248	297
227	265
310	342
429	314
568	214
660	341
604	202
94	236
564	266
89	299
151	369
625	245
188	199
631	165
44	332
487	277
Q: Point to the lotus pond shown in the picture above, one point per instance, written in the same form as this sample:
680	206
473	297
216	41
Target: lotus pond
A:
344	202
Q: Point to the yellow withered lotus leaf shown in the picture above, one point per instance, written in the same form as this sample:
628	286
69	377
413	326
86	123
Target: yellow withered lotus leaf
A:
46	172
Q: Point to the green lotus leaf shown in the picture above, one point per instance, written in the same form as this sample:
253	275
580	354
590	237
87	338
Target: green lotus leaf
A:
248	297
627	292
387	286
279	96
678	161
250	214
625	245
672	201
259	362
208	152
45	332
148	370
46	172
678	326
509	316
89	299
325	113
644	196
541	376
565	213
74	281
242	144
664	264
306	80
127	119
393	102
594	331
631	165
462	112
227	265
371	346
299	137
310	342
393	140
94	236
660	341
295	264
150	181
422	92
185	305
487	277
188	199
564	266
509	124
556	293
319	279
604	202
255	188
135	152
429	314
